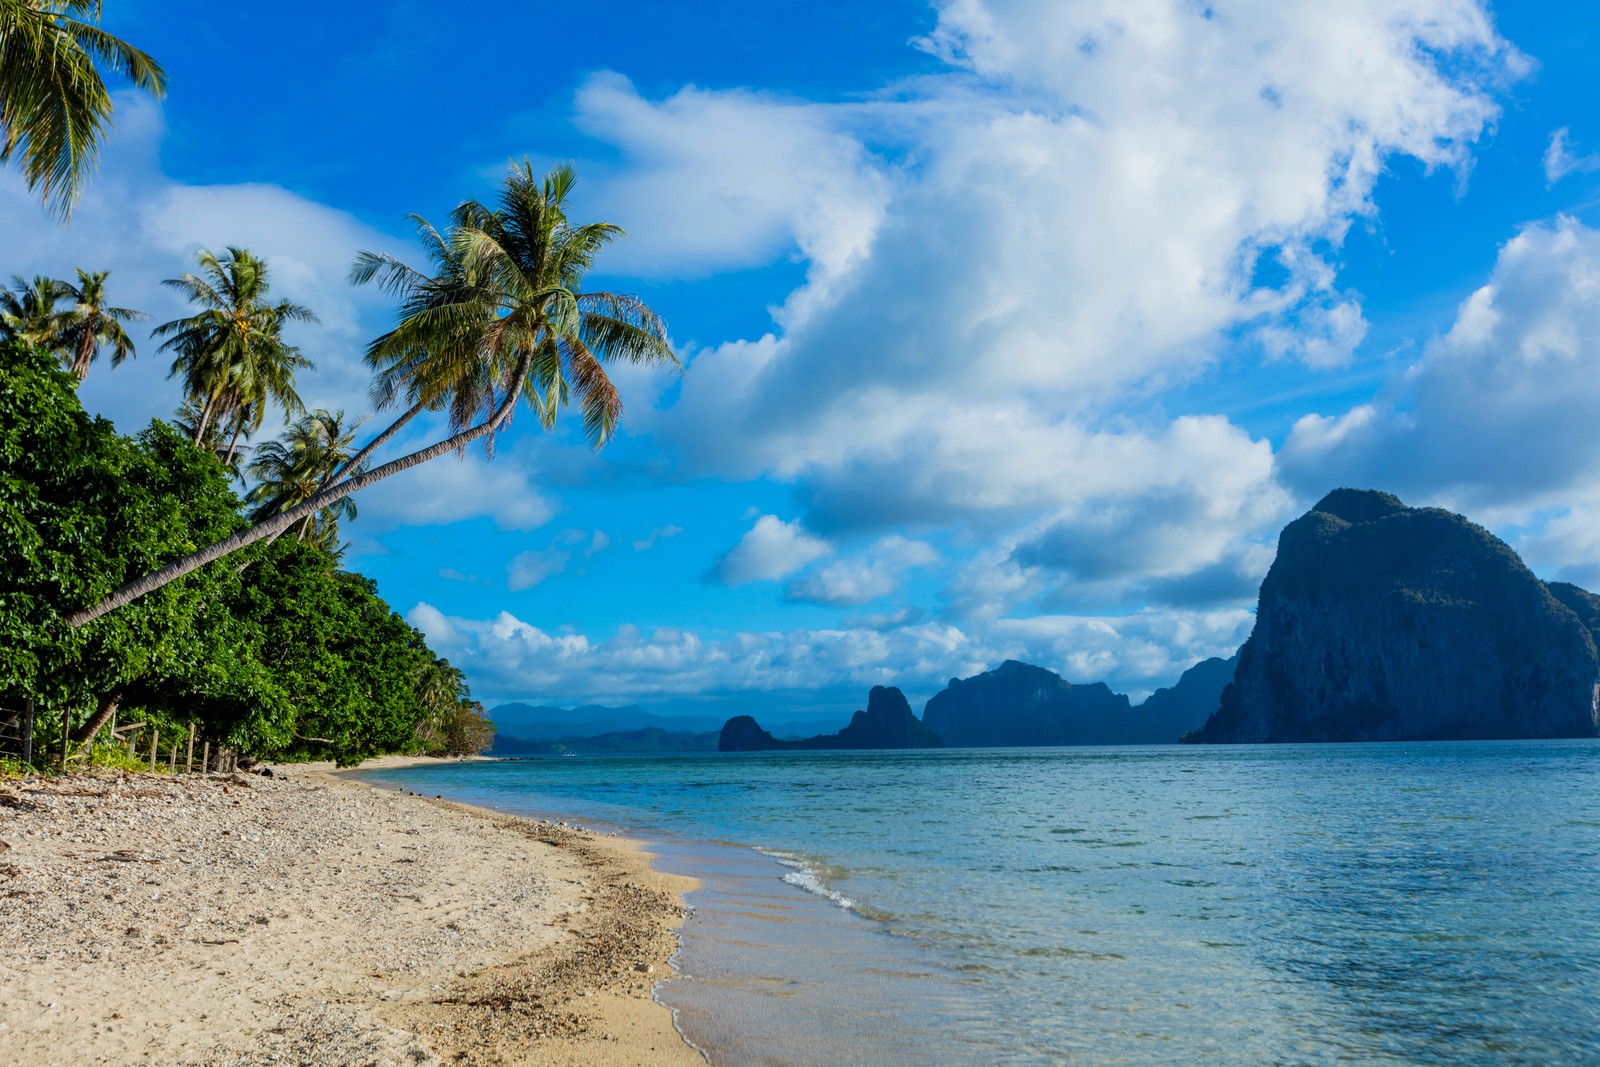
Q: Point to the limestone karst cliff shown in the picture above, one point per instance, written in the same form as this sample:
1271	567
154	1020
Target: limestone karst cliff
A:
1380	622
1168	714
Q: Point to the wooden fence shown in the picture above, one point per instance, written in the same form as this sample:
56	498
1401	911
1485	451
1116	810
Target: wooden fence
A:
16	732
185	752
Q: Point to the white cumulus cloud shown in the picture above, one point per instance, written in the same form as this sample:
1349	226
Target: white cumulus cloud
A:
1560	160
453	489
769	550
143	226
1063	225
1499	410
866	577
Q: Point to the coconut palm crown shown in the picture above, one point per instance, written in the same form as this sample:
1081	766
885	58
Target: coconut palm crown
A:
231	354
293	468
89	324
503	321
54	105
28	311
505	312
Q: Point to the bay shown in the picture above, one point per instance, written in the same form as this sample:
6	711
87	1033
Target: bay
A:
1433	903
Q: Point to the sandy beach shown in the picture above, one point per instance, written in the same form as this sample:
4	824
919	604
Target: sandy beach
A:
307	918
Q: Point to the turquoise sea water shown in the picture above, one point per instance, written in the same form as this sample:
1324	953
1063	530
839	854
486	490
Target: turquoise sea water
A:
1316	904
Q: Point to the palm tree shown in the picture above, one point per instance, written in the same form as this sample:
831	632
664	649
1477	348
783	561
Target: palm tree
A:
88	324
28	311
231	353
504	320
293	468
54	107
439	689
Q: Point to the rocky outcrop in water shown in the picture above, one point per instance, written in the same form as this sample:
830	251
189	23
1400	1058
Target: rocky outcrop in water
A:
1018	704
1380	622
887	723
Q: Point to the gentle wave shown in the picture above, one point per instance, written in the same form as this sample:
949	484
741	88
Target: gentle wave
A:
803	874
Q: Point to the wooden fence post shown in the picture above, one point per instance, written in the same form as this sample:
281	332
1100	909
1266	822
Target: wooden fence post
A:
66	733
188	757
155	735
27	732
172	759
133	736
205	759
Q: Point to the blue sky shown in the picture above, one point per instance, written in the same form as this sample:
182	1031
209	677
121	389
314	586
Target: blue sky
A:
1011	328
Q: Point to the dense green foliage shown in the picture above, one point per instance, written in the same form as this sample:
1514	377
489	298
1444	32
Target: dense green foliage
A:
275	652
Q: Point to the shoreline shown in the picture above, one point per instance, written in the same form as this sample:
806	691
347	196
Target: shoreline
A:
241	920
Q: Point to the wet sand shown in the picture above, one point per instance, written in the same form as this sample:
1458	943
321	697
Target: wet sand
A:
307	918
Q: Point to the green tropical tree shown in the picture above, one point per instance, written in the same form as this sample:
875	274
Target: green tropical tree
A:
231	354
88	323
439	689
296	466
54	106
504	320
288	657
82	510
451	723
28	311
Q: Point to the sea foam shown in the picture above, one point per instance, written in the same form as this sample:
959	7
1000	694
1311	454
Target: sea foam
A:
806	875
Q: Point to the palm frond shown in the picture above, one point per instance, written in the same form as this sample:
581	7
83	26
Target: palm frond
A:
504	304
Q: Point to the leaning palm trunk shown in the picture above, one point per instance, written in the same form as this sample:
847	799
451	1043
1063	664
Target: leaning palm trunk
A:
506	297
354	462
84	734
282	521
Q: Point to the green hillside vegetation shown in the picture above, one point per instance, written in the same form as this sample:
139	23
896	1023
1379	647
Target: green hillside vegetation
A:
131	579
279	653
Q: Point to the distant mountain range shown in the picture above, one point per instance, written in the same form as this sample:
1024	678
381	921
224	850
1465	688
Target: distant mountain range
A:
1018	704
1015	704
530	729
650	739
542	722
1169	714
1376	622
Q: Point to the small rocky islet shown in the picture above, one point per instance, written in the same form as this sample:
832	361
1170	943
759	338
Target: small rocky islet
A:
886	723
